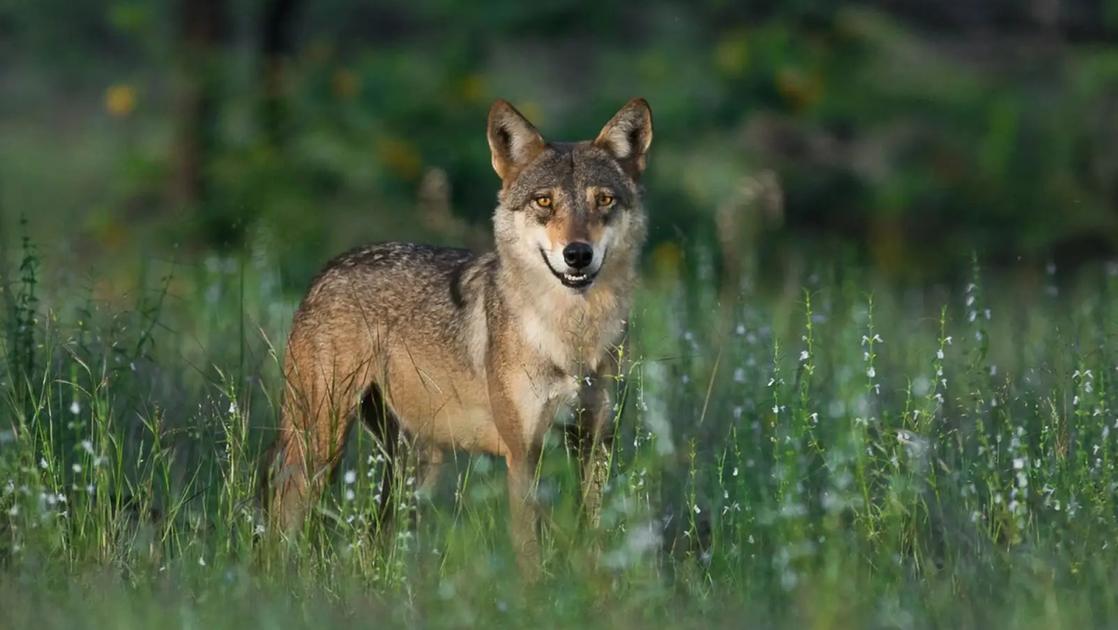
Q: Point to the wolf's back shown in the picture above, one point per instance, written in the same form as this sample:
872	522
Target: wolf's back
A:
420	292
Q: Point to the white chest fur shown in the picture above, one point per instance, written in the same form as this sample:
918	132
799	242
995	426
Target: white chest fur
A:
545	336
571	332
540	399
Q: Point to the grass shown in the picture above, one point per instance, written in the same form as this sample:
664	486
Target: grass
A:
853	454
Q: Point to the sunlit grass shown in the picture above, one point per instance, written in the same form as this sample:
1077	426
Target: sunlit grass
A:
847	455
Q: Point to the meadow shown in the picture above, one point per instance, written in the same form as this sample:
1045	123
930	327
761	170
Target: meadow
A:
838	451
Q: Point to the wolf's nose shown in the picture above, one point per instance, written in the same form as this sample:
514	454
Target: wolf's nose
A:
578	255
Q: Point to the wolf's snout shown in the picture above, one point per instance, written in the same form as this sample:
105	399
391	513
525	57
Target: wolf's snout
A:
578	255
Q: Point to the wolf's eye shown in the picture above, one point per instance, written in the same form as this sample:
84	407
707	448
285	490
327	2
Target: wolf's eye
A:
543	201
605	200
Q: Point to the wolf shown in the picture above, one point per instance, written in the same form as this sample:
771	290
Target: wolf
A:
477	352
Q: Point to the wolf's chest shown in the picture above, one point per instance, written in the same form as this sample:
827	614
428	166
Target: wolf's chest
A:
574	342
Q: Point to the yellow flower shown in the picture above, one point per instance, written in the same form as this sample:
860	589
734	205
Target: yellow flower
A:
800	89
120	100
472	88
667	261
400	157
346	83
731	55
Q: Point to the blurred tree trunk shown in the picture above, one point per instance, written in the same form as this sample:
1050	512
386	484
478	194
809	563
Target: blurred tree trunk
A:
277	45
203	29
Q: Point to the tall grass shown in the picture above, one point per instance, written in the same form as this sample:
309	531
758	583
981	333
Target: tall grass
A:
853	454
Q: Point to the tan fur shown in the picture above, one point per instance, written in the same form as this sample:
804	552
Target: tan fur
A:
475	352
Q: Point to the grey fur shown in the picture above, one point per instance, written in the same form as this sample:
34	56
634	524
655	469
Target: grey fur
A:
477	352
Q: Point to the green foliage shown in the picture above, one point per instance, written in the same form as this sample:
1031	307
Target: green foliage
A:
906	145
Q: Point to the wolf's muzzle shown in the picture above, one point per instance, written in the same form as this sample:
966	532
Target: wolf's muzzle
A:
575	279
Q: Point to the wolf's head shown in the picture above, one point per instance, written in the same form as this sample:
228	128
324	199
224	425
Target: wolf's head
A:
570	212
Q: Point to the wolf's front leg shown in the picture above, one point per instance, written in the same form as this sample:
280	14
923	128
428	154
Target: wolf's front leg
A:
522	451
524	521
593	431
595	420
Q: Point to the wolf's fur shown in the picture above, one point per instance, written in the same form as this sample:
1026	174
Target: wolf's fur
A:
476	352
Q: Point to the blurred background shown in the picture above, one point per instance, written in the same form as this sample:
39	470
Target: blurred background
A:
903	135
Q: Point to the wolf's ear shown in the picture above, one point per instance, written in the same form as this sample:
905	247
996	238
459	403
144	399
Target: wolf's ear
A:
513	141
628	135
